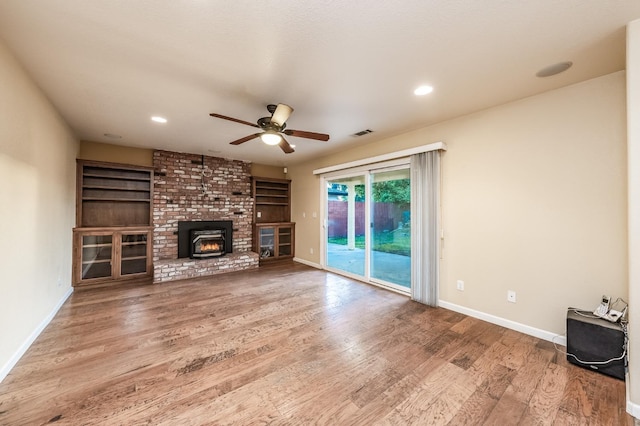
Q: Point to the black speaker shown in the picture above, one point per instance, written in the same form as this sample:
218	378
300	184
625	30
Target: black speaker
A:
596	344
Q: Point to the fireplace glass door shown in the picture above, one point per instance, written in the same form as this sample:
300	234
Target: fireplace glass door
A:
207	243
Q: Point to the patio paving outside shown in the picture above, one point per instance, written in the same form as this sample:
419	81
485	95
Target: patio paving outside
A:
390	267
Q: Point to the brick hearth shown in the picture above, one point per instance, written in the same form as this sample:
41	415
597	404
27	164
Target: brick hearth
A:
186	189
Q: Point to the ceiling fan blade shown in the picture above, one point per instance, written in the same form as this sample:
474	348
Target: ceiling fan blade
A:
245	139
224	117
308	135
284	145
281	114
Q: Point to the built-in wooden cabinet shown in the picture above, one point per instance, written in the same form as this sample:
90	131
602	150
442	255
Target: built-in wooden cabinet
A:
275	241
107	254
113	238
274	233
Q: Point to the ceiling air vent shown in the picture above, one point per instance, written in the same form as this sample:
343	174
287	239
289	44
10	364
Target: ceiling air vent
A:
362	133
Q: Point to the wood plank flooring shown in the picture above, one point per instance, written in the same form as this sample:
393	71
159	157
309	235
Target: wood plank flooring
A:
291	345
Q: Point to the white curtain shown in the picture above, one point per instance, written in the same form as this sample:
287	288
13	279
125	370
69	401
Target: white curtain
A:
425	226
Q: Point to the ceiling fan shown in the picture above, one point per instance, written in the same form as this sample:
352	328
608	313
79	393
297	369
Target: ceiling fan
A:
273	128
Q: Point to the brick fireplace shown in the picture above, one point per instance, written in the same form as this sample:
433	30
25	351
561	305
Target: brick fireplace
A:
189	187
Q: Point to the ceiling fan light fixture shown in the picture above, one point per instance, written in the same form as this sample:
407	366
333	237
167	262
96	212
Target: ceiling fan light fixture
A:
271	138
281	114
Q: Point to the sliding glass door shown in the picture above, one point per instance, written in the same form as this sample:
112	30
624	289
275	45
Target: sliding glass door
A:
346	225
390	246
368	226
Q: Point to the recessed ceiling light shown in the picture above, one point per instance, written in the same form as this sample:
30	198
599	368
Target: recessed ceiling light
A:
112	136
423	90
158	119
554	69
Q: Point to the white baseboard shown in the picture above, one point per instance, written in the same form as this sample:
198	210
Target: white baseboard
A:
306	262
632	408
8	366
522	328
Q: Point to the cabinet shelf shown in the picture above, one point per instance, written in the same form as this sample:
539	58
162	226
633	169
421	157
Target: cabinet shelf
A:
89	262
124	259
114	177
96	245
260	203
118	200
115	188
281	187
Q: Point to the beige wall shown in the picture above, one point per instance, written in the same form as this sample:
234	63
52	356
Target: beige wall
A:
534	200
262	170
633	141
98	151
37	212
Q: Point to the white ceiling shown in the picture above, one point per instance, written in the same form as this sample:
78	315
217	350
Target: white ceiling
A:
345	66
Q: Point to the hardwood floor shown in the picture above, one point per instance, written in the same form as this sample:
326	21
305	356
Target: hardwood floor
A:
291	345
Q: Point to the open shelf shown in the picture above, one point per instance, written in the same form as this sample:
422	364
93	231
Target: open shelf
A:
272	200
113	195
112	188
118	200
115	177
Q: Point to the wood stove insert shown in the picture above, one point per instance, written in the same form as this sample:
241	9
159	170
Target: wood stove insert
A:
204	239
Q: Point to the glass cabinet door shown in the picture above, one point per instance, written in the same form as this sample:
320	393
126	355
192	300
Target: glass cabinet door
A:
105	254
97	254
266	240
284	241
134	254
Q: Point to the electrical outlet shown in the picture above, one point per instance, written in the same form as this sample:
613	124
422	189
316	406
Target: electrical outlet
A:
311	250
511	296
259	214
460	285
304	215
